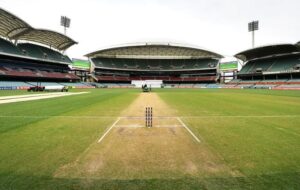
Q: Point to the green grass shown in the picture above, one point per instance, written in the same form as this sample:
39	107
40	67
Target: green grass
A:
32	149
265	150
16	92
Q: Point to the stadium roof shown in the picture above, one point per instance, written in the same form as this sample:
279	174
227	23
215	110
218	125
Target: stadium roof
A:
154	51
48	37
267	51
15	28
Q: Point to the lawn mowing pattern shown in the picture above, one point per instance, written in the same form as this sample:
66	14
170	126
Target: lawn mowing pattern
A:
36	147
129	152
265	149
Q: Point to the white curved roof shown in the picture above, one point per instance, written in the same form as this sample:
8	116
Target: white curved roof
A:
154	50
267	50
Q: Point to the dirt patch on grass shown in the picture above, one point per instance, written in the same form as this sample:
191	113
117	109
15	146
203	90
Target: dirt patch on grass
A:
137	108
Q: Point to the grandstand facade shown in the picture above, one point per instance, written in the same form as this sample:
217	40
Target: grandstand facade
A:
270	66
171	63
29	55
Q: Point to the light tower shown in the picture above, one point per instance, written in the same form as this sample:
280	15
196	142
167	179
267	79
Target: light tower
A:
252	27
65	22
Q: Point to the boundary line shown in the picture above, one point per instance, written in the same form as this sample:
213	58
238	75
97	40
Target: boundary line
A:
109	130
186	127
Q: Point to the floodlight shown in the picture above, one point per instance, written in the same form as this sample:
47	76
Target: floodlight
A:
65	22
253	26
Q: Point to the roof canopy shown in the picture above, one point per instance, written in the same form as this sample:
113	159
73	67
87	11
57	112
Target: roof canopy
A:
48	37
15	28
266	51
154	51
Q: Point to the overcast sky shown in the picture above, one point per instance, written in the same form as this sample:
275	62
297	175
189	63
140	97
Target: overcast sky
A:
217	25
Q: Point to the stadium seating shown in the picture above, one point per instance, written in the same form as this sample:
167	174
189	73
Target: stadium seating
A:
40	52
15	71
8	47
164	78
155	64
284	64
11	85
292	87
278	64
293	81
77	84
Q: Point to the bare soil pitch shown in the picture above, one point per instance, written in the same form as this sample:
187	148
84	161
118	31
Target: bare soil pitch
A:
131	151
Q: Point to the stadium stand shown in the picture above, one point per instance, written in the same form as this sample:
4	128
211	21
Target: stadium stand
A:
155	64
12	85
269	66
35	55
32	54
8	47
168	62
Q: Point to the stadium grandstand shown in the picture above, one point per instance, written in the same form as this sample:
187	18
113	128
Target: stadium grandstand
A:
29	55
275	66
170	63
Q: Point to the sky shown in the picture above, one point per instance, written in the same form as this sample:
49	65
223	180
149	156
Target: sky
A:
217	25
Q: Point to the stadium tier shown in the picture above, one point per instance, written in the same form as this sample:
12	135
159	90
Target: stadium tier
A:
41	52
29	54
8	47
155	64
274	64
149	61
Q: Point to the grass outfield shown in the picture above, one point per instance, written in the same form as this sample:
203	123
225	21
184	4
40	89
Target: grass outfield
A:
250	139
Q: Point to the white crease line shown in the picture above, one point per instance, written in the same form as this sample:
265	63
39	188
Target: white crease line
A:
108	130
167	126
142	117
184	125
154	126
129	126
